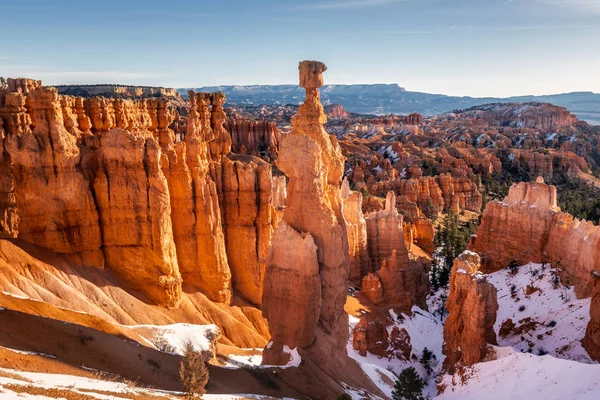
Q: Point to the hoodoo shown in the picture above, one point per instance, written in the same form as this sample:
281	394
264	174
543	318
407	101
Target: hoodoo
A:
311	242
472	305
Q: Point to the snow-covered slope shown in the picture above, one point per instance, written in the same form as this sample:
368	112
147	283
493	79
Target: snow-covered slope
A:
516	376
547	315
425	331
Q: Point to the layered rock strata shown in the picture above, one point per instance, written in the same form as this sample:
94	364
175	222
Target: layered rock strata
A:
257	138
356	227
472	305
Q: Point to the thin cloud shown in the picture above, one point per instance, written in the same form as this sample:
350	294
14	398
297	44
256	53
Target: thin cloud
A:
589	5
338	5
457	29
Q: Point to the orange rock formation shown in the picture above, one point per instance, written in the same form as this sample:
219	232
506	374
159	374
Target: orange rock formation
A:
472	307
356	227
306	278
529	227
105	182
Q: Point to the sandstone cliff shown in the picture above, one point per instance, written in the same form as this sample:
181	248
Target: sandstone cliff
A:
529	227
106	182
472	307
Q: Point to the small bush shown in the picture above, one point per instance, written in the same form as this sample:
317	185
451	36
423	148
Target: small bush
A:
162	344
542	352
513	267
522	308
551	324
192	371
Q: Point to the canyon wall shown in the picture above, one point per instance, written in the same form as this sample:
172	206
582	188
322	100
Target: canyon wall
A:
257	138
105	182
472	305
528	226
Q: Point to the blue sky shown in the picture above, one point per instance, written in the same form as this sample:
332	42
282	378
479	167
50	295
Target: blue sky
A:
458	47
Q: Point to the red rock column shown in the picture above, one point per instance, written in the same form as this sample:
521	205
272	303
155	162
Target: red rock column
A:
472	306
313	162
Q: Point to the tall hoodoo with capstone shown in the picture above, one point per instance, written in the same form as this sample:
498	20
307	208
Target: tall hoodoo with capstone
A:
306	277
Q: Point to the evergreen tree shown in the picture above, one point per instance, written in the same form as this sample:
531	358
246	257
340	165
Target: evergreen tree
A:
428	210
409	385
426	359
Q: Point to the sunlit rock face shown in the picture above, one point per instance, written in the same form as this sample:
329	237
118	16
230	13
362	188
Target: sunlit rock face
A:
472	305
310	245
528	226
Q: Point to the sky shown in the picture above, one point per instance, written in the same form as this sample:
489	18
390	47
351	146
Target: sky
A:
455	47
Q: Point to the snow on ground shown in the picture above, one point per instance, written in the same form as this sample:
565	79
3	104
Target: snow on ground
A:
103	390
253	358
177	335
562	318
516	376
425	331
30	353
75	384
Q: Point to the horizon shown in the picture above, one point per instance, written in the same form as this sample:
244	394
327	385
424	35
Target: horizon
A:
492	48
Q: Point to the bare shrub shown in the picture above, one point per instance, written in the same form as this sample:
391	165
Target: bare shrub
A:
193	371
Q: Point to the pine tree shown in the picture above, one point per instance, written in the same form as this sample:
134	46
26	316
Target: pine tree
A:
192	371
426	358
409	385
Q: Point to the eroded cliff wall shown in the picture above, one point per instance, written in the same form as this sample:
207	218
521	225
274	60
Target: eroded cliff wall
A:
106	182
528	226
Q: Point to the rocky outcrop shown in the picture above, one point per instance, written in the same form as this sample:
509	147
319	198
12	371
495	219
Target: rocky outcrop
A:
335	111
292	293
310	243
370	335
55	203
372	289
248	222
472	305
529	227
442	192
356	227
591	341
257	138
545	117
385	234
404	283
